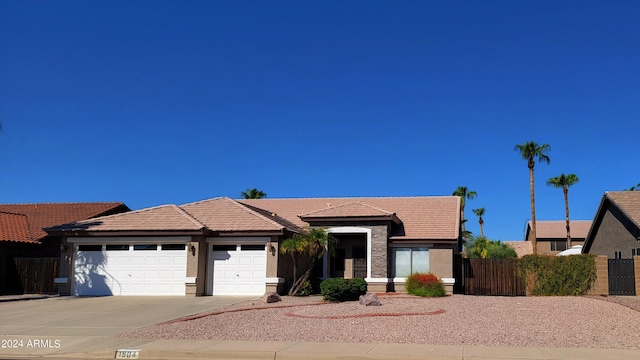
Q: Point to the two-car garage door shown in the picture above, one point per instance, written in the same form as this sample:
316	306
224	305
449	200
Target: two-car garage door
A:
129	269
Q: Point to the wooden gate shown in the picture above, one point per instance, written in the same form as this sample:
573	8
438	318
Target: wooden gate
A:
493	277
29	276
621	277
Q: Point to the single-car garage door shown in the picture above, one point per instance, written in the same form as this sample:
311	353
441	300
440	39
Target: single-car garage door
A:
129	269
237	269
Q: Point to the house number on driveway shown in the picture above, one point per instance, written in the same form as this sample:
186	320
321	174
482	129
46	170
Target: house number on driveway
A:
127	354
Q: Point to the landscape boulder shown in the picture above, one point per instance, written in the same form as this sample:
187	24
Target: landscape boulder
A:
271	297
369	299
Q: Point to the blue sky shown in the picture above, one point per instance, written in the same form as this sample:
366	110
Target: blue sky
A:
156	102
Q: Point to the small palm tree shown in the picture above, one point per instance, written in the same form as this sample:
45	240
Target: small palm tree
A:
633	188
531	151
563	182
480	213
464	194
253	194
310	245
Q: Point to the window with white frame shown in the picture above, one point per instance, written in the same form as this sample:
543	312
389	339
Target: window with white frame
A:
409	260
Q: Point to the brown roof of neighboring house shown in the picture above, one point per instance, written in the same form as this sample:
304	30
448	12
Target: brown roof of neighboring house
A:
556	229
628	202
158	218
423	217
522	248
41	216
15	227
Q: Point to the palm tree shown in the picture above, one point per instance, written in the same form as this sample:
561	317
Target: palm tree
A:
564	181
531	151
464	194
310	244
253	194
633	188
480	213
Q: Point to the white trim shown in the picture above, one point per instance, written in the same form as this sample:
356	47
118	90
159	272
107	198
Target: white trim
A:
377	280
229	240
190	280
350	230
399	280
131	239
61	280
448	281
274	280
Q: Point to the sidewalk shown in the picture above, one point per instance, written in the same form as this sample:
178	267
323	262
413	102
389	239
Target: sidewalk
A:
106	347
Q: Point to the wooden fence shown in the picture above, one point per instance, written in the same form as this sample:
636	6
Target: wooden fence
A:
493	277
28	275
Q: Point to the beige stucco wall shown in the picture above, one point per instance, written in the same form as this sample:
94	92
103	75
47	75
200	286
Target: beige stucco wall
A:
441	262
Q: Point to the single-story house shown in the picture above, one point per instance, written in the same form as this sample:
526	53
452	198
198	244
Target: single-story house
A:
21	225
615	231
551	235
223	246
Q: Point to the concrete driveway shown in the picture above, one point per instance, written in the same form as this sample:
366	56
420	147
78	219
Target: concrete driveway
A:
80	324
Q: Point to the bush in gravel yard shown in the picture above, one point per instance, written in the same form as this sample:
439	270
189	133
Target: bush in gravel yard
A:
424	284
339	289
558	275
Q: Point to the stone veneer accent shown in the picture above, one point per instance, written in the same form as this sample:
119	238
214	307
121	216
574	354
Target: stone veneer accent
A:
636	272
379	246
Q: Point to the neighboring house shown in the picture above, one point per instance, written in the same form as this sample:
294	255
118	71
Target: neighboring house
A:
21	236
21	225
616	227
223	246
522	248
551	235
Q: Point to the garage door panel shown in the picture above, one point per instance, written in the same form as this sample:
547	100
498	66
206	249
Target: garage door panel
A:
239	272
153	272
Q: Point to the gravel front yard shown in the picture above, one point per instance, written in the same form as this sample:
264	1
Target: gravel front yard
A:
454	320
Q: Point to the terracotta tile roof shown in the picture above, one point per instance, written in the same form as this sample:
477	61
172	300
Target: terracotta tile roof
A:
40	216
426	217
522	248
158	218
224	214
350	209
15	228
556	229
628	202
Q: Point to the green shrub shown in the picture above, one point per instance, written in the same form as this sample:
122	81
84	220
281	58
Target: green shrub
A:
481	247
424	284
339	289
558	275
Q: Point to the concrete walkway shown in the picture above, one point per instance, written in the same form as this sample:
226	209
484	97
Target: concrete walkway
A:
83	328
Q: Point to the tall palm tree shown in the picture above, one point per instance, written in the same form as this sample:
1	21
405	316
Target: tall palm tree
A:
480	213
464	194
564	181
253	194
531	151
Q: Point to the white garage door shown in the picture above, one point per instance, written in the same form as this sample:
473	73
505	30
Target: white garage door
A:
130	269
238	269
